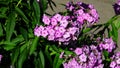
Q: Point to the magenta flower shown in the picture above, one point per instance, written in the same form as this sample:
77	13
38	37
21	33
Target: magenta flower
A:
58	17
83	13
61	29
112	64
79	12
51	37
66	35
61	55
83	57
1	57
53	21
93	12
80	19
100	66
118	61
46	19
58	29
115	60
90	19
64	23
107	44
91	6
51	31
38	30
116	7
44	33
67	28
71	64
78	51
38	0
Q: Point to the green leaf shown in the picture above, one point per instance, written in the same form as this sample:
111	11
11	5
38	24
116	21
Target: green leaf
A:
109	32
53	50
108	59
18	39
86	30
44	4
22	57
3	10
8	45
37	63
10	25
106	54
1	30
15	55
117	23
34	45
3	16
114	32
48	57
111	20
69	52
24	33
25	45
42	59
57	61
4	2
21	13
36	12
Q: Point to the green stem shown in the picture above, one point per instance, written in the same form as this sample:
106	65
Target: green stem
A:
112	19
18	3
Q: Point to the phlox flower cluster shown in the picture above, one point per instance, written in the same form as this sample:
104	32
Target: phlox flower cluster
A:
57	28
90	56
81	13
117	7
107	44
67	28
86	57
115	63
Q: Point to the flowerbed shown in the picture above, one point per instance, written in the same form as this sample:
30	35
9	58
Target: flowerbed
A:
70	39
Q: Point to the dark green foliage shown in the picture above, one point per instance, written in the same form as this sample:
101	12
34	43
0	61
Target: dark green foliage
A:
18	19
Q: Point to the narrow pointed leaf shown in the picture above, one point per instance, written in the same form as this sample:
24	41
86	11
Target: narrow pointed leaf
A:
57	61
86	30
10	26
1	30
15	55
42	59
22	14
22	48
18	39
36	12
44	4
117	23
8	45
114	32
34	45
47	54
22	58
24	33
3	16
